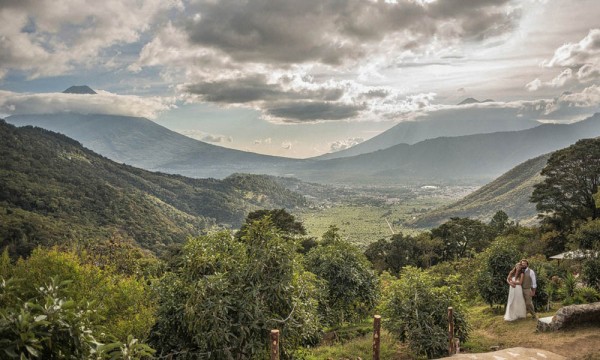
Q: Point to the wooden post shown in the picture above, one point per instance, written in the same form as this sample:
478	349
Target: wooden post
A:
376	336
274	344
450	331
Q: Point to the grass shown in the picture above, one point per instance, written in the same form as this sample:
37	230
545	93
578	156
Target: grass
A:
489	332
361	347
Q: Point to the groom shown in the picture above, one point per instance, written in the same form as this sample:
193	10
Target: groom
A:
529	285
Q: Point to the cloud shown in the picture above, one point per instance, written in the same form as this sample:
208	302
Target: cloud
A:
311	111
290	31
580	63
101	103
47	38
202	136
577	54
345	144
285	56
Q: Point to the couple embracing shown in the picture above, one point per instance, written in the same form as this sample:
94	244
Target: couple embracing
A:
522	288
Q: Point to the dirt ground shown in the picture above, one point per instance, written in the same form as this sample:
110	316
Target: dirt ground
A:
582	343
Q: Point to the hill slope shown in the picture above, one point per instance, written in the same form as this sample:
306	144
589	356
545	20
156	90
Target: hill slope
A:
142	143
471	158
53	190
509	193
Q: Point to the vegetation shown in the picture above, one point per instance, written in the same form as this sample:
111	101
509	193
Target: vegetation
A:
54	191
104	264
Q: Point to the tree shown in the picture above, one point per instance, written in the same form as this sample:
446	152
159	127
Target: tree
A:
571	179
500	222
415	311
352	287
461	236
230	292
280	218
403	250
496	262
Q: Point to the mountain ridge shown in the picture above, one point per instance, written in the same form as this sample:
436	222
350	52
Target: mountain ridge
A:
53	189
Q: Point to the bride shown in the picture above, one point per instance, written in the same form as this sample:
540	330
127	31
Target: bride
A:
515	308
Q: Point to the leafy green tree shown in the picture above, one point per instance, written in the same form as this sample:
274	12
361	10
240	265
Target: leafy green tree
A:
495	264
571	179
461	237
54	326
586	236
500	223
229	293
123	304
352	287
403	250
281	219
415	310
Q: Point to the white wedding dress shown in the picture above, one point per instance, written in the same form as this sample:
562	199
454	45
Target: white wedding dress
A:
515	308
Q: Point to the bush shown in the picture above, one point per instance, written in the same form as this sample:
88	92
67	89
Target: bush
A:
415	311
591	272
230	292
352	287
495	264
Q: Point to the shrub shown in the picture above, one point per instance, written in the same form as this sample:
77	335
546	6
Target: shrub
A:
415	311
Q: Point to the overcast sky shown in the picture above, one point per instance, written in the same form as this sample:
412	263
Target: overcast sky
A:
299	78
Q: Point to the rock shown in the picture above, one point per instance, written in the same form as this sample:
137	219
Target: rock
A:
571	315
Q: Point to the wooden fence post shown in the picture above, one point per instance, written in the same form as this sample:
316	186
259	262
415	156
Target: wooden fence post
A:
274	344
450	331
376	336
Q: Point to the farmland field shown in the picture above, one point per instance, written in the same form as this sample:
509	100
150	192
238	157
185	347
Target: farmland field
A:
365	215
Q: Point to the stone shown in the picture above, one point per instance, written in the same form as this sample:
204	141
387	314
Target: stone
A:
571	315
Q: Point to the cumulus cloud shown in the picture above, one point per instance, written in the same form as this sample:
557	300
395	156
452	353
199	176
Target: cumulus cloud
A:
577	54
345	144
289	31
101	103
259	54
46	38
580	63
202	136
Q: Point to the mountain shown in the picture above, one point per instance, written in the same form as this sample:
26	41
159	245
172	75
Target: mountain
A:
509	193
447	123
473	101
54	191
142	143
83	89
466	159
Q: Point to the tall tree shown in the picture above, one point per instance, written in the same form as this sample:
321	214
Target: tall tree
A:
571	180
462	236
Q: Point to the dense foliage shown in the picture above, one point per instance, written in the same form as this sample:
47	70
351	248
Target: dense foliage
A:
229	293
415	310
352	287
92	313
52	189
571	179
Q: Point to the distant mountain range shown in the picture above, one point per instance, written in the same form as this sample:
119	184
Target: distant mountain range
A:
54	191
399	155
142	143
462	159
509	193
446	123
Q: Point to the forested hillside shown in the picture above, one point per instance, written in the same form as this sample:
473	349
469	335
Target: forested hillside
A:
52	190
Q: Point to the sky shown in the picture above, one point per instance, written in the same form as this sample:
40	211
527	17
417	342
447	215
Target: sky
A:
300	78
